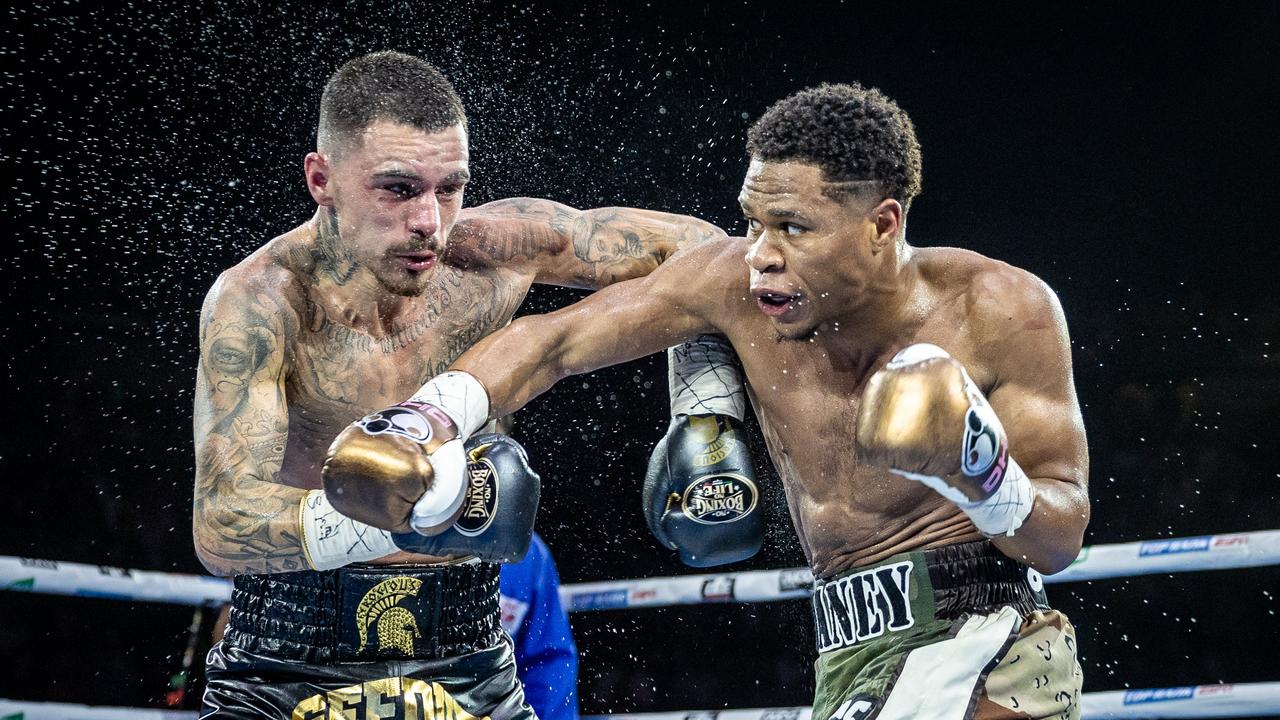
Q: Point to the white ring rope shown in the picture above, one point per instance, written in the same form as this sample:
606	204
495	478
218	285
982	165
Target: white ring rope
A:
1096	562
1206	552
24	710
1196	701
68	578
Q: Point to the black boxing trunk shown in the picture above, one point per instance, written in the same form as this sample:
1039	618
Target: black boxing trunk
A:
405	642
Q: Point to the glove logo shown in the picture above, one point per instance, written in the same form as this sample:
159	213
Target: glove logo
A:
480	506
716	437
397	421
981	441
719	499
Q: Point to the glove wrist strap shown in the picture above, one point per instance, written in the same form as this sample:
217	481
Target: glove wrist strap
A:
460	396
1000	514
705	379
1004	511
331	540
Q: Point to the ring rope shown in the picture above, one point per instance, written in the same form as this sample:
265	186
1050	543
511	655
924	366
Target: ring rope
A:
1096	562
1187	554
1194	701
25	710
1204	552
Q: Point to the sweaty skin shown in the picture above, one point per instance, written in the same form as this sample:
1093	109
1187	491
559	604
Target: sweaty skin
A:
353	310
860	294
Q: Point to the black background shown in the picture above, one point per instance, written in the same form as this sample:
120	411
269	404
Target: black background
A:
1125	152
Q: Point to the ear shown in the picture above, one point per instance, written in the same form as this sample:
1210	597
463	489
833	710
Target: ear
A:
887	217
317	170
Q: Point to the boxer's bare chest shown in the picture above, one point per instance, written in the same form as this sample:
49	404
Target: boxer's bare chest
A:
338	373
807	397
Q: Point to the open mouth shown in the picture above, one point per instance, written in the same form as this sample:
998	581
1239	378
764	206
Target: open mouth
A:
773	303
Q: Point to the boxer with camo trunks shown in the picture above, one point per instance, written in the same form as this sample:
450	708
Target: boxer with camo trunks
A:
918	404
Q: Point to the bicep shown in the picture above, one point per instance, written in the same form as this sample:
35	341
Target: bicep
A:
620	323
626	321
240	415
1035	398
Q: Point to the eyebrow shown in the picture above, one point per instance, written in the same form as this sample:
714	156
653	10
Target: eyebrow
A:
773	212
400	174
396	174
779	212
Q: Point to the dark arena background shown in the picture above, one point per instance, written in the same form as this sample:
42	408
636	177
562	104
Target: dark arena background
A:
1124	152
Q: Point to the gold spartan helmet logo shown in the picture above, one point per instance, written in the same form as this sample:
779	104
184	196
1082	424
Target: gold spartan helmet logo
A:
380	607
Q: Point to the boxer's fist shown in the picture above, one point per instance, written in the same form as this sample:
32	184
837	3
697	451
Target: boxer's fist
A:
398	469
700	493
922	416
501	500
924	419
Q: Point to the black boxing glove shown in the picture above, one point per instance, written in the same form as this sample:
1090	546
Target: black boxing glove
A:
700	494
501	501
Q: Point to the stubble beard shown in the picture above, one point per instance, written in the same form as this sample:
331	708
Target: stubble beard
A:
403	283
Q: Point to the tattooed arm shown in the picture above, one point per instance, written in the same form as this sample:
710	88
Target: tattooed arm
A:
244	521
559	245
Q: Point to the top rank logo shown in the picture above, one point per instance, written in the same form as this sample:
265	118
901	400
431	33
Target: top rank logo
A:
1138	697
1173	547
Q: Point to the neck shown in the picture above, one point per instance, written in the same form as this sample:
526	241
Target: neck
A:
887	311
348	291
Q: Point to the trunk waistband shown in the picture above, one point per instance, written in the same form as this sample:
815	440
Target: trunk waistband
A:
367	613
944	583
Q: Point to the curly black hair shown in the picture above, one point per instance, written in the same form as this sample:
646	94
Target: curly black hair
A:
854	134
386	85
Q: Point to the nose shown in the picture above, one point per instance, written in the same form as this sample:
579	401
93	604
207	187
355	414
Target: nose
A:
763	256
424	218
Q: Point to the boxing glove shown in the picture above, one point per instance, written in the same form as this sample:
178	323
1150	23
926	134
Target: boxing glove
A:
700	495
922	418
500	502
403	468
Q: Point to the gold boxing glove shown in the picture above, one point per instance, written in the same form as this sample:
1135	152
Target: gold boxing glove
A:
403	468
924	419
380	466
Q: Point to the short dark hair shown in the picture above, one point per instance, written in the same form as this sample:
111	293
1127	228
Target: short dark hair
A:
385	85
855	134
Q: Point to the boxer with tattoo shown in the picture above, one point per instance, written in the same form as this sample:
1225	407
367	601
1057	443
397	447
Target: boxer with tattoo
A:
381	289
918	404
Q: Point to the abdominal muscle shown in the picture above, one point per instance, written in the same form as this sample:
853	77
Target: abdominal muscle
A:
849	515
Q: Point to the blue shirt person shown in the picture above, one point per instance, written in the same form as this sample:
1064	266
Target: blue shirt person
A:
546	657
